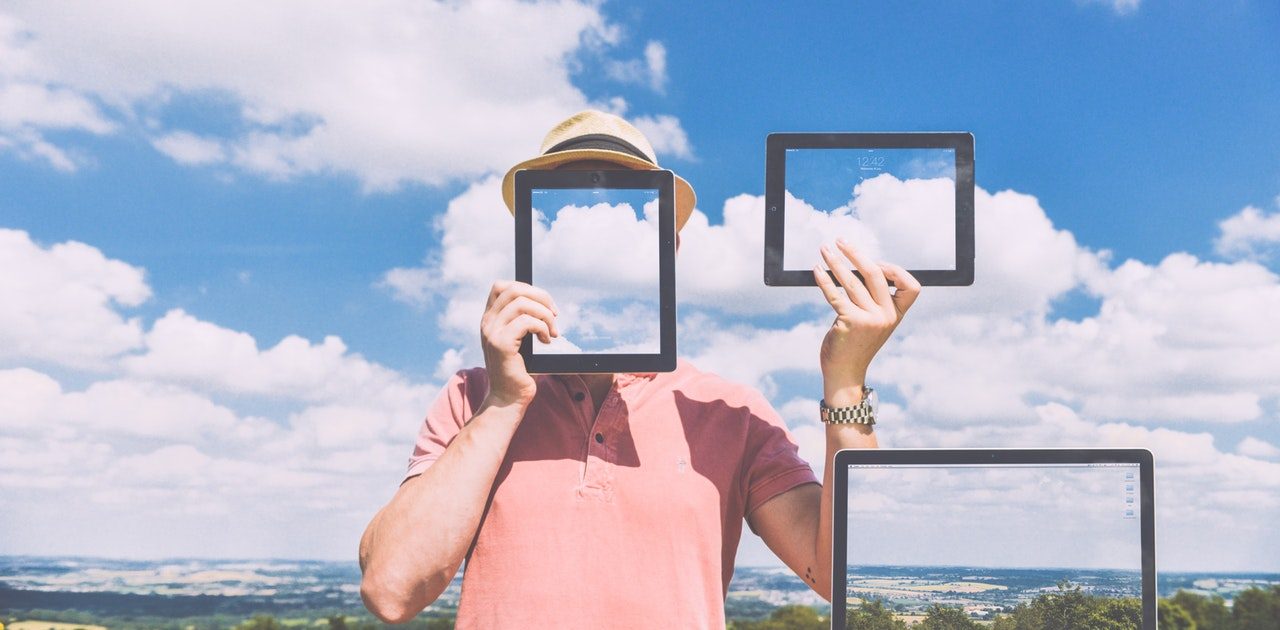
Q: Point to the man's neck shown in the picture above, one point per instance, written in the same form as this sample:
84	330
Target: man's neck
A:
599	386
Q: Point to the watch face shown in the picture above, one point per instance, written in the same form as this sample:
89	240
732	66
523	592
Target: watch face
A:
873	400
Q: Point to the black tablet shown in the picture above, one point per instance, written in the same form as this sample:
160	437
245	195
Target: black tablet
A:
994	533
603	244
904	198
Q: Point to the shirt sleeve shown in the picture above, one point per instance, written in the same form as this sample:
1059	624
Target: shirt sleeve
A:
772	464
450	411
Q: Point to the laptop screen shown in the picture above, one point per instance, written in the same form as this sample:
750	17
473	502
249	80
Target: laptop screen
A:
994	540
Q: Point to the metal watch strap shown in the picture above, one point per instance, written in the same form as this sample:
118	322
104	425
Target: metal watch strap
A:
861	413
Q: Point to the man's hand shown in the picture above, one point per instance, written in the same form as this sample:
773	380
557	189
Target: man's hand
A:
866	316
515	309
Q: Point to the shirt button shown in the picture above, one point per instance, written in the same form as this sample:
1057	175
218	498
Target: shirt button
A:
579	396
599	438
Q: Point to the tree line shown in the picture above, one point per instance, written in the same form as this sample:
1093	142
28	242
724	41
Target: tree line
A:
1067	609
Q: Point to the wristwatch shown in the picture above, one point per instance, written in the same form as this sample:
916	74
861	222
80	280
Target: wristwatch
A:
862	413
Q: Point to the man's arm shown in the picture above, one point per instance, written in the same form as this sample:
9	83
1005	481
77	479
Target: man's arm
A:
414	545
796	524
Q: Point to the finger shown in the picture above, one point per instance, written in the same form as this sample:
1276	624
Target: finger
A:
907	285
518	289
496	290
835	297
871	272
524	305
522	325
852	286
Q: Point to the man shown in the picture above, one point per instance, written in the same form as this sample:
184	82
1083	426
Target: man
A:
614	500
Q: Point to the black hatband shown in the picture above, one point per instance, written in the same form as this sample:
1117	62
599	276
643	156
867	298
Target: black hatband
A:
599	141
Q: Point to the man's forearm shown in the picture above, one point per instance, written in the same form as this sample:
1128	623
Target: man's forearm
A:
416	543
839	436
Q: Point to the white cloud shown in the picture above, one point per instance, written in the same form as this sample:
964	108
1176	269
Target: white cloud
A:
721	266
391	93
717	266
156	435
1249	234
133	448
651	70
1192	333
29	107
180	348
187	148
910	222
666	135
1261	449
655	59
1121	7
410	285
60	303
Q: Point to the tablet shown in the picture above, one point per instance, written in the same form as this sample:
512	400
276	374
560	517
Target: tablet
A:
904	198
603	244
994	533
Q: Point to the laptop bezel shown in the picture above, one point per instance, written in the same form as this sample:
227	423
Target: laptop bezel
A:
943	457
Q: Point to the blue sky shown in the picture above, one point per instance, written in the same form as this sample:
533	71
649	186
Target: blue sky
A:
1139	131
273	176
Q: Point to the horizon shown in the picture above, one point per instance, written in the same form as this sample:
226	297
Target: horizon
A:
769	567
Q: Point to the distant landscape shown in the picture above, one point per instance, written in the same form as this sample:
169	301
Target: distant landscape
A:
262	594
982	593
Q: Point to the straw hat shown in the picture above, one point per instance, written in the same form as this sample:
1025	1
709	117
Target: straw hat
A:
595	135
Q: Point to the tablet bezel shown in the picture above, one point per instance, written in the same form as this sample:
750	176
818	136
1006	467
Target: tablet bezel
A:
998	456
776	146
661	180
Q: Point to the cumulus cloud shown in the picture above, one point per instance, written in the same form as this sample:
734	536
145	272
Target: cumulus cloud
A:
159	433
1249	234
717	266
182	349
1192	332
1262	449
910	222
393	93
666	135
993	517
61	303
651	70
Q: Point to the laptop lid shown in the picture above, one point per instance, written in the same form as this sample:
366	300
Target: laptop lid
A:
1017	533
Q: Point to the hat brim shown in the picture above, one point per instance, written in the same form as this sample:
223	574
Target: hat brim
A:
685	197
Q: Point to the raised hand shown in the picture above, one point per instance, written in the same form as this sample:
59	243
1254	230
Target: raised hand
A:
515	309
866	315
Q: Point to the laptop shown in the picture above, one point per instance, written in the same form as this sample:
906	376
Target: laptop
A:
988	533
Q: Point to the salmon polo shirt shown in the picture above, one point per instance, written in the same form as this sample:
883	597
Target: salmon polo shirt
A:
627	519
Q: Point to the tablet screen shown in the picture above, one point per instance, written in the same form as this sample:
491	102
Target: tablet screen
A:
896	205
596	250
903	198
